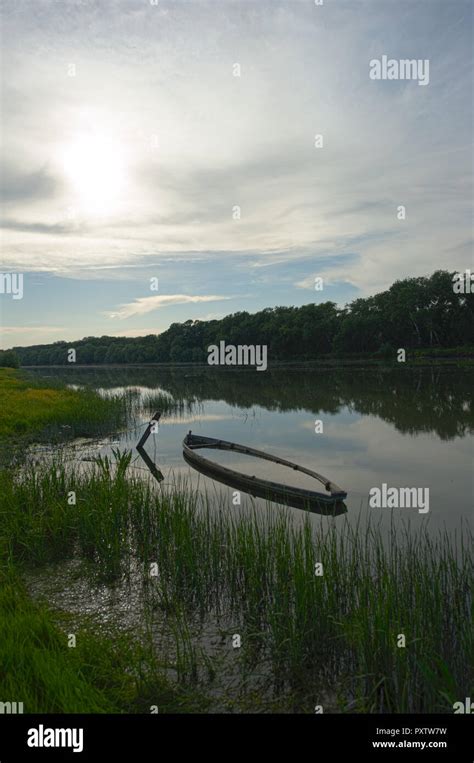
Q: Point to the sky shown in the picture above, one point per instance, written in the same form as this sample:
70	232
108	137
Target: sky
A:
159	159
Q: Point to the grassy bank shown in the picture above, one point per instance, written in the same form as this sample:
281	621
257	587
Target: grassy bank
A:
37	667
335	634
34	410
100	674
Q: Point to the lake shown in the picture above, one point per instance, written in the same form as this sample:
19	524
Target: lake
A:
403	427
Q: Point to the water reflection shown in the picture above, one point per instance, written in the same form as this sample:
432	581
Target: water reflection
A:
427	399
403	427
157	474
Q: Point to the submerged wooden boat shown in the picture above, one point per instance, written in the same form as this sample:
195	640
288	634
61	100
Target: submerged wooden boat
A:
274	491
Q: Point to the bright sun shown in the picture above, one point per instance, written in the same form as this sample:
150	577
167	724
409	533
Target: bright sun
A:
95	168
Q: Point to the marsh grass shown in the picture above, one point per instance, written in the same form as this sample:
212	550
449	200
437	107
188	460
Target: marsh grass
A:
169	405
101	674
336	633
37	411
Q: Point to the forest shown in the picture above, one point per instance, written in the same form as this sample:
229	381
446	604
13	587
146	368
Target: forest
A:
414	313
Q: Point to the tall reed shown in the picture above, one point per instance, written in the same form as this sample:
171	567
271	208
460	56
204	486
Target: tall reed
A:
337	633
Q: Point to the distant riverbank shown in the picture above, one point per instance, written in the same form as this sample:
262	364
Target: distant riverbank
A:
426	357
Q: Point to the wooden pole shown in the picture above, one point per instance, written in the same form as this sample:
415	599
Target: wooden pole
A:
147	431
140	447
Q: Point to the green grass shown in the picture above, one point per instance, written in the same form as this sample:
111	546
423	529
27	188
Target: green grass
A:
33	410
166	404
37	668
99	675
255	575
29	407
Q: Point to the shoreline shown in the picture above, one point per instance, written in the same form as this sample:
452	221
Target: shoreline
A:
467	360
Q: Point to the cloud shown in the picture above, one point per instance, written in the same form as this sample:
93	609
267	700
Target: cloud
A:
213	317
197	142
144	305
32	227
31	329
26	335
24	186
136	332
330	264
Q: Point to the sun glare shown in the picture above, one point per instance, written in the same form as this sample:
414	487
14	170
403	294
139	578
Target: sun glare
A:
95	168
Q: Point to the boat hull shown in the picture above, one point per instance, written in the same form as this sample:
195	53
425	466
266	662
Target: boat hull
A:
331	502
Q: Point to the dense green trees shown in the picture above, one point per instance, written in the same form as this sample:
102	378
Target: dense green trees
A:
9	359
413	313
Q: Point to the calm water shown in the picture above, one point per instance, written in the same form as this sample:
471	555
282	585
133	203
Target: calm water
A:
403	427
399	426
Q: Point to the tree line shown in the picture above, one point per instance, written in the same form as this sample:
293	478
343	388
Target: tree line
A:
414	313
9	359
